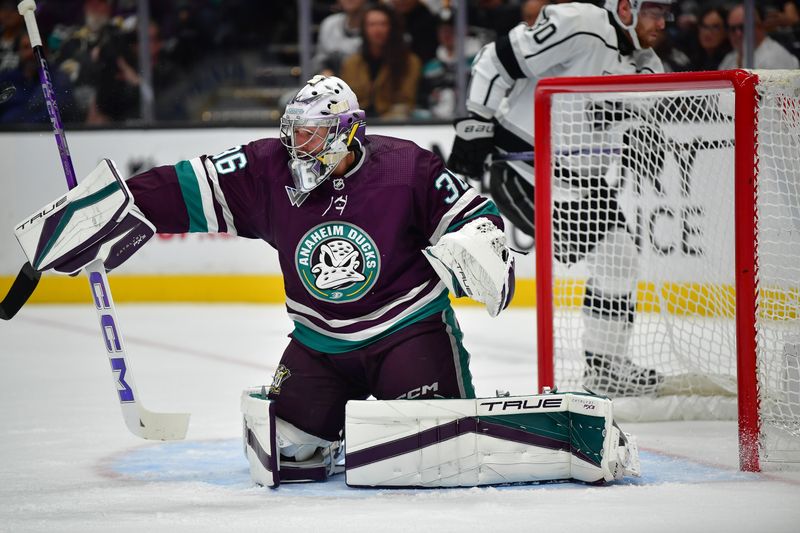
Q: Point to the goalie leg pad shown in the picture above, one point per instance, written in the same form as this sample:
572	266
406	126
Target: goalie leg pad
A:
279	452
467	443
260	438
304	457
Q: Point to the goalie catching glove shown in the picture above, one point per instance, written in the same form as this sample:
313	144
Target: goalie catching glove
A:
96	219
475	261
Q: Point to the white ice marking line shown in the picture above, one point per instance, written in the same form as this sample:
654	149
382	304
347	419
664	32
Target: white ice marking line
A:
149	343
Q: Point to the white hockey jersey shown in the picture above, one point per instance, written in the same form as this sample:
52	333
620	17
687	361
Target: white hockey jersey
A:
567	40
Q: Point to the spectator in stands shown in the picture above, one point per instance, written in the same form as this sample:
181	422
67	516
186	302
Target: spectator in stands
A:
781	15
687	16
530	10
420	27
674	59
189	36
27	105
79	55
118	87
768	53
782	23
385	73
12	29
495	15
711	44
339	36
437	88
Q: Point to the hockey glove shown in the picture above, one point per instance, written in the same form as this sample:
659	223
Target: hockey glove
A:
475	261
96	219
473	142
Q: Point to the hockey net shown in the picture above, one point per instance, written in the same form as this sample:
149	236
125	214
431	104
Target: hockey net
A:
705	169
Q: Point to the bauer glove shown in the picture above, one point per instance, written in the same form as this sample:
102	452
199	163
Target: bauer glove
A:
473	142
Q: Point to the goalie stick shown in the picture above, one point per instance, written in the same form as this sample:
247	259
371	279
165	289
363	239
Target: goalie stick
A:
21	290
141	422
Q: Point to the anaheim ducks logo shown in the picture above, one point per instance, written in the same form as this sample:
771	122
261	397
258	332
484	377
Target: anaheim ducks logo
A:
337	262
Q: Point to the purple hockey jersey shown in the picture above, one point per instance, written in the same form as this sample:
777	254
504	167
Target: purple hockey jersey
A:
350	251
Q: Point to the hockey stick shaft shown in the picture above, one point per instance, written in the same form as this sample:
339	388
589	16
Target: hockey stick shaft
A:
26	281
27	8
140	421
528	156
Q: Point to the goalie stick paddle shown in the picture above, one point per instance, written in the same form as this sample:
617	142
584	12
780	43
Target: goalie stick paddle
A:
141	422
21	290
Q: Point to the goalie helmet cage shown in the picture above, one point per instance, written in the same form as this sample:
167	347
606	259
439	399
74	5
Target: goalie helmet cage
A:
706	169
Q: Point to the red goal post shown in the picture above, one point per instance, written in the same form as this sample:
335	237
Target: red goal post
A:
742	92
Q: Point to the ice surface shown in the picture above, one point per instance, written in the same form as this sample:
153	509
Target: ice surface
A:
67	463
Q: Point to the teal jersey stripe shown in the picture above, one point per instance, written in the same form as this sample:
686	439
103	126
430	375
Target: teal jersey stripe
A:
191	197
489	209
462	365
323	343
70	210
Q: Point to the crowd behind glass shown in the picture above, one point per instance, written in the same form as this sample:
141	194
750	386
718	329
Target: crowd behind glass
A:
237	60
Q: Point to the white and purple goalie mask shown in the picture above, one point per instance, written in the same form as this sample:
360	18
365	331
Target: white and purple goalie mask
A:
318	128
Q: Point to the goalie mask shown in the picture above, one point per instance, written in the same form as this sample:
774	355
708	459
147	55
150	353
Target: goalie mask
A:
659	8
318	128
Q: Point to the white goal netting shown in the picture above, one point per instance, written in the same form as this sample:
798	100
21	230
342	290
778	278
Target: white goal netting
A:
644	211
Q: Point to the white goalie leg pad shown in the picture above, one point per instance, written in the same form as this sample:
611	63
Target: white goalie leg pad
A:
260	437
304	457
279	452
475	261
467	443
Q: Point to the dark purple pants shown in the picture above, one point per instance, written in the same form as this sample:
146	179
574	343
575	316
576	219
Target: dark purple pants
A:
423	360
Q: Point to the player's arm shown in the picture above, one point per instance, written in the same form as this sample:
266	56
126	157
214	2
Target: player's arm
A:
560	38
111	218
468	246
474	137
219	193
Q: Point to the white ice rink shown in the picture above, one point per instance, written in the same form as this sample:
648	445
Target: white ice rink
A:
67	462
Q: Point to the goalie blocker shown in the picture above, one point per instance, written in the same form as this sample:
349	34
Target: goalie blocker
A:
454	443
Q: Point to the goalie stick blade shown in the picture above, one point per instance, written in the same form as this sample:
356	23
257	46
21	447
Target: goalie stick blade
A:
158	426
139	421
21	290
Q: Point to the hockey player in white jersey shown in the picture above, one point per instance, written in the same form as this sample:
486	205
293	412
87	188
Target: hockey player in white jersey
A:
573	39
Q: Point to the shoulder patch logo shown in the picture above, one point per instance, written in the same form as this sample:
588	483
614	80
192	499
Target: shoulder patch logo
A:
337	262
